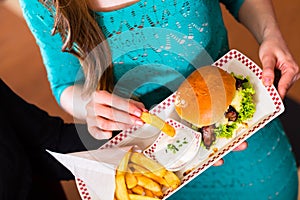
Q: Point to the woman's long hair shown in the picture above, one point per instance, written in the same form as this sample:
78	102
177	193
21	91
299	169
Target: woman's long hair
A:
82	36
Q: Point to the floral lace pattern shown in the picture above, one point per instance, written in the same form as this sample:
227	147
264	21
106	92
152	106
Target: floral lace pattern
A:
152	34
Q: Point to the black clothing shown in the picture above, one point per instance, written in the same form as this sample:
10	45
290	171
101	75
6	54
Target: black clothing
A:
25	133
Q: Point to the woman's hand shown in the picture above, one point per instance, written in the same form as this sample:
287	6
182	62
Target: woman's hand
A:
241	147
274	54
259	17
107	112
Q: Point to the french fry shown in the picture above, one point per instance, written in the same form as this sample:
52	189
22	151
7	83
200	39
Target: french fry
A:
148	183
141	170
140	178
158	194
123	165
148	193
140	197
151	165
121	189
158	123
137	169
138	190
172	179
130	180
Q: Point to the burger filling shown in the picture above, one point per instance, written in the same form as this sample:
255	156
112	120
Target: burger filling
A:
238	113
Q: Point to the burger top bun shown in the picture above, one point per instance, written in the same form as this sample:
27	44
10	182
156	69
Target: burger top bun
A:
203	98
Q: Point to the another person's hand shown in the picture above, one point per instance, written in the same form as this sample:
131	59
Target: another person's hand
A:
107	112
241	147
274	54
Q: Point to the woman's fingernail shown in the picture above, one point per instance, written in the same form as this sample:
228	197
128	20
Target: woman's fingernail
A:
138	122
102	136
137	113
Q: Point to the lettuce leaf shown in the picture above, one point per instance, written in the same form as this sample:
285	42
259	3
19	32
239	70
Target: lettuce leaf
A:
247	103
246	111
225	130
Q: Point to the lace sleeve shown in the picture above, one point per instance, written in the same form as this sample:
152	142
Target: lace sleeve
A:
63	69
233	6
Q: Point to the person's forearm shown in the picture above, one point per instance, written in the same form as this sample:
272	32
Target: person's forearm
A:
259	17
73	102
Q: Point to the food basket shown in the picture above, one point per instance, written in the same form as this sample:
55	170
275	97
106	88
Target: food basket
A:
268	106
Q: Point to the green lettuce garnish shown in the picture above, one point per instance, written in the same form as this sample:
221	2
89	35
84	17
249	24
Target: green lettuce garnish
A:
225	130
247	105
246	112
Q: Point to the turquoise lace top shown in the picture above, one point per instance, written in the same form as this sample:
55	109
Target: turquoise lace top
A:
155	45
158	44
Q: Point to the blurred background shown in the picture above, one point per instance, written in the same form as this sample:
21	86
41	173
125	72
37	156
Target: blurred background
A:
22	69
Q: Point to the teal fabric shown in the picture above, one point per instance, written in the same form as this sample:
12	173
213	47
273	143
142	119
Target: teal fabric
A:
265	170
155	45
169	39
63	69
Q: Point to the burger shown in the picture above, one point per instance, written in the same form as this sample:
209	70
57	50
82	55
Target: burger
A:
215	103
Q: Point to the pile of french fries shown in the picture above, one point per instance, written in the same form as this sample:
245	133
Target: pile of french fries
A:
140	178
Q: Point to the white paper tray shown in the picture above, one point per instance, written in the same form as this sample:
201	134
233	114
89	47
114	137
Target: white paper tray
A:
268	106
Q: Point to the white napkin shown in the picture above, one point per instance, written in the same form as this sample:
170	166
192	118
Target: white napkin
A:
96	168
